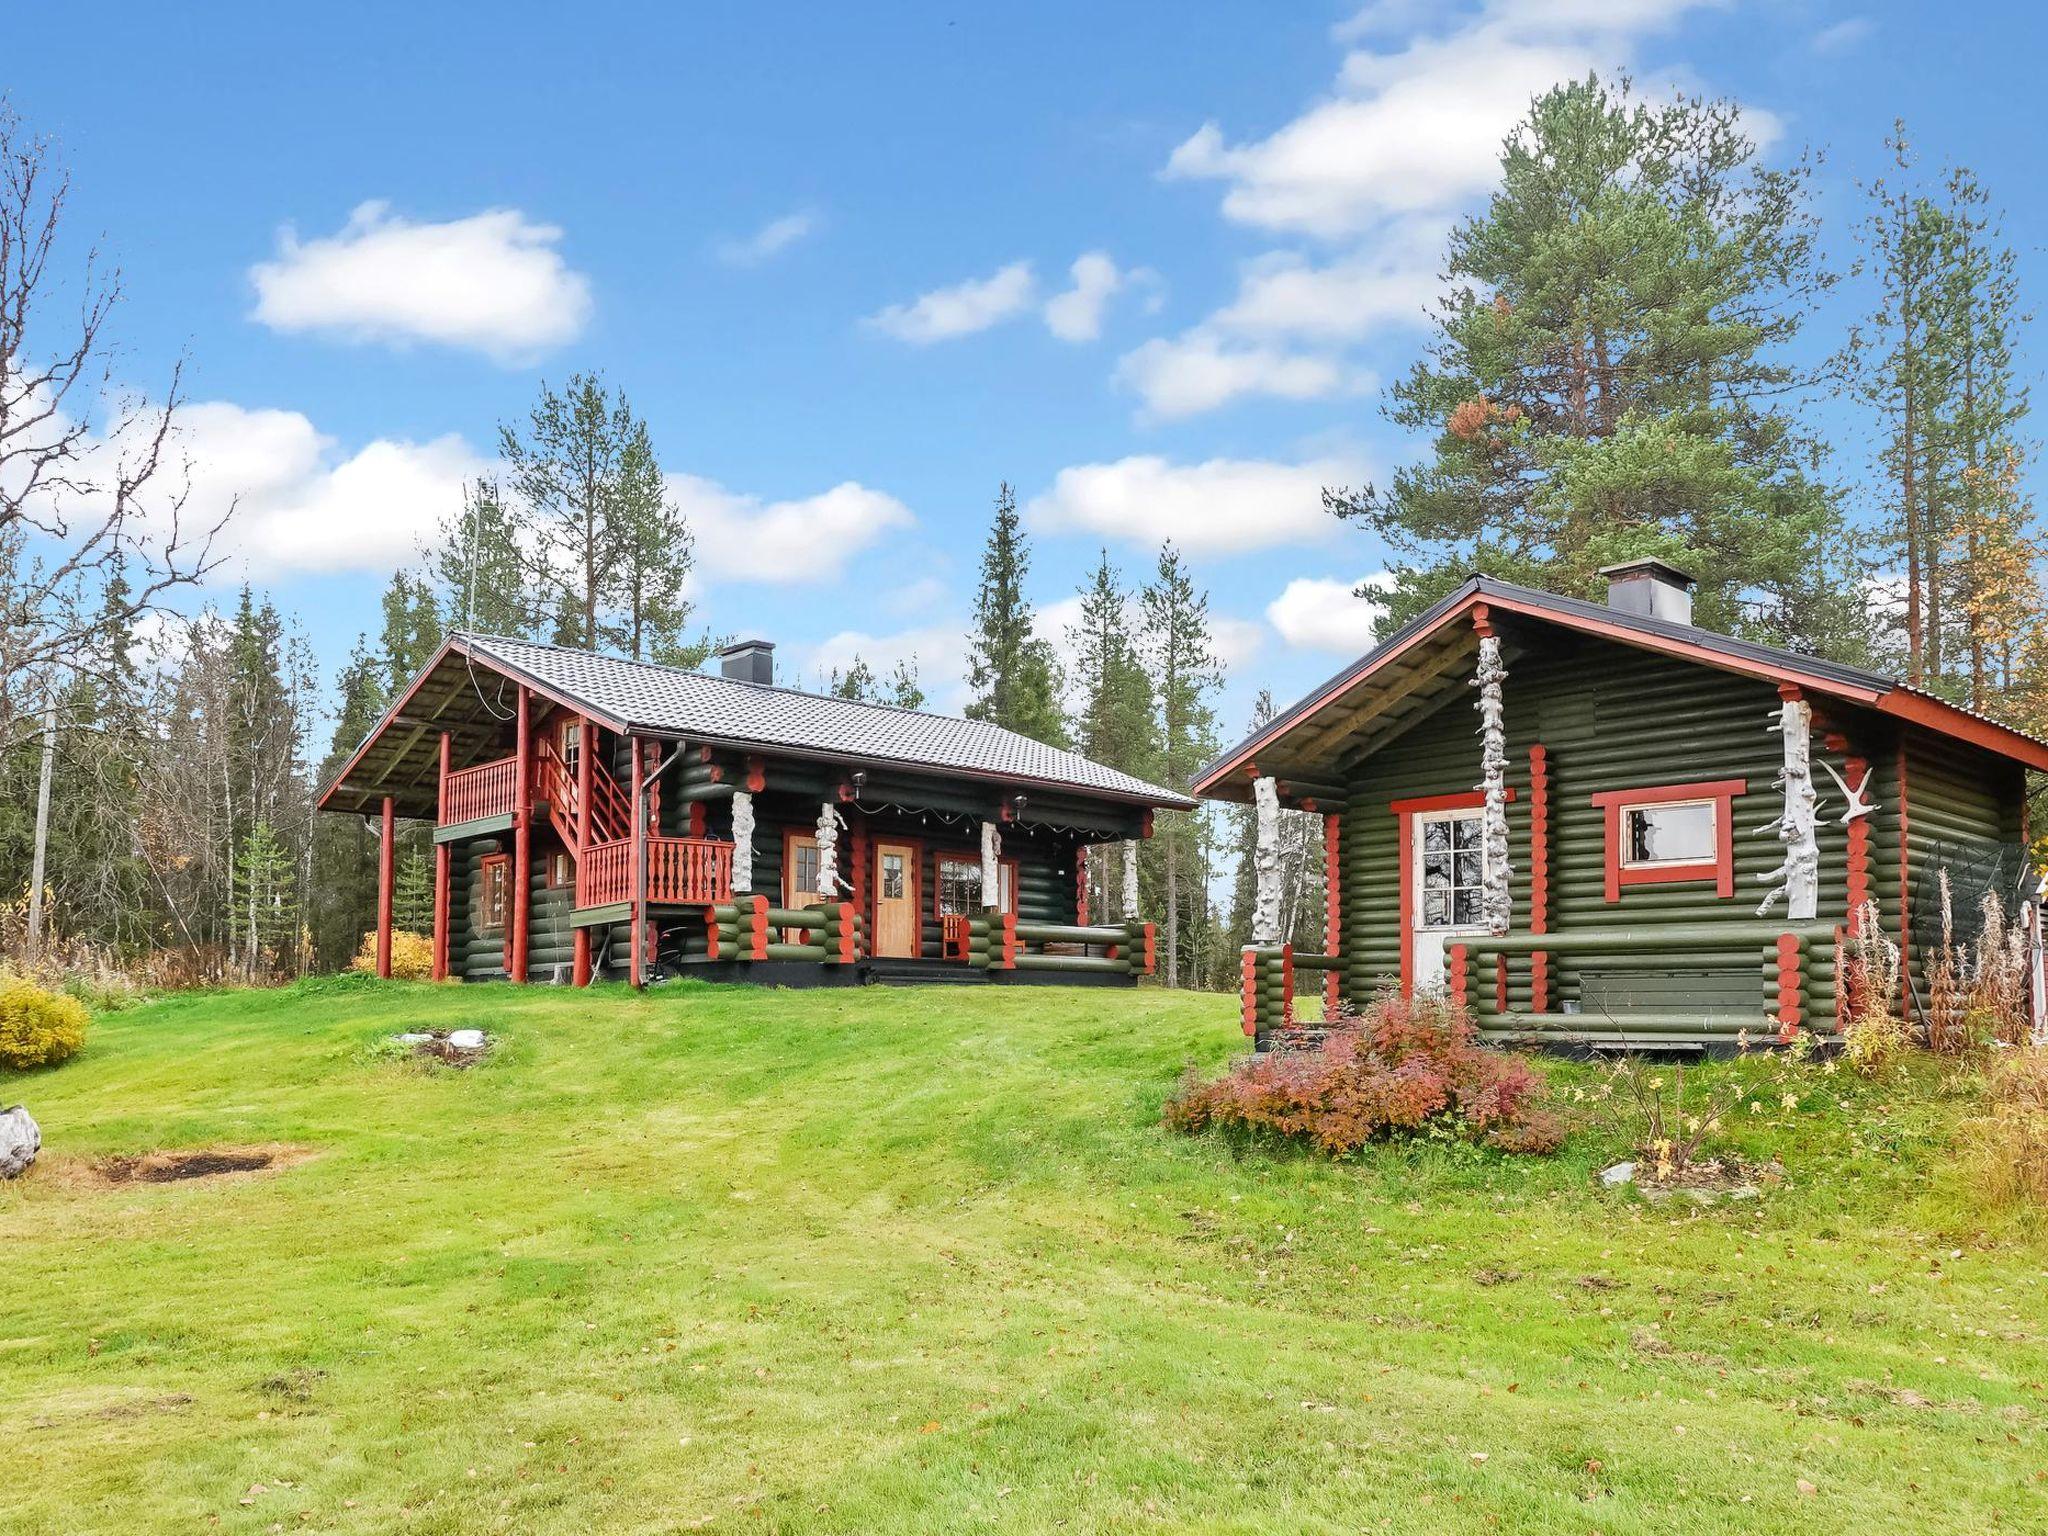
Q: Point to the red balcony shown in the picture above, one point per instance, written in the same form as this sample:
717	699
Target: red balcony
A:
488	789
681	871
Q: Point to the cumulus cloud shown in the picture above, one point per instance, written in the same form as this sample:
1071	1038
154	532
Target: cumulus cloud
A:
1316	613
1843	35
934	649
770	240
1076	315
962	309
1416	126
743	537
493	283
1220	506
1200	370
1390	283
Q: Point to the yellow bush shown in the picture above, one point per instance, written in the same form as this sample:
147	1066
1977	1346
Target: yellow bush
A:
412	957
38	1027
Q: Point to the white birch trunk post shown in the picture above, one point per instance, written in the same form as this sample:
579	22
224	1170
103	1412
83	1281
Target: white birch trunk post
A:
42	836
991	871
1266	863
828	851
1496	897
1130	902
1798	877
742	842
2037	972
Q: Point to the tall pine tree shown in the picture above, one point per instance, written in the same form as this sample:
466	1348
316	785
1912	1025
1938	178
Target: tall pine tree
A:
1014	674
1185	674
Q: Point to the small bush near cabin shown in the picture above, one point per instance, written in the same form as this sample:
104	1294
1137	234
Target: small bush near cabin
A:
412	957
2011	1140
1399	1068
38	1027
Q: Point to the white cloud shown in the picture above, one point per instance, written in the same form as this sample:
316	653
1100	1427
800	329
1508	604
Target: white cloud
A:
1236	642
962	309
742	537
1201	370
1315	613
493	282
771	239
1076	315
1390	284
1843	35
937	650
1418	127
1221	506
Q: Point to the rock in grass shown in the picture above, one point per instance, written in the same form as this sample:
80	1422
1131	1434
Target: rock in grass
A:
467	1039
1620	1173
20	1140
413	1038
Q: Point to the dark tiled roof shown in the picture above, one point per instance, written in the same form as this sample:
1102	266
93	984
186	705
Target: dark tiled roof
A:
702	707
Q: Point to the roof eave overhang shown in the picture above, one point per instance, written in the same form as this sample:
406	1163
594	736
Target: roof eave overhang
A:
1892	700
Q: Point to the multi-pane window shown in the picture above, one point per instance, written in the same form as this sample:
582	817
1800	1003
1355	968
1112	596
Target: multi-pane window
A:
1683	832
960	885
892	877
572	743
803	872
1453	871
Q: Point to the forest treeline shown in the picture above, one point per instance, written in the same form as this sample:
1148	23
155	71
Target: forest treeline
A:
1625	360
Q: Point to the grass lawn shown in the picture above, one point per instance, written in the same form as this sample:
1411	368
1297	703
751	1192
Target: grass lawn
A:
916	1261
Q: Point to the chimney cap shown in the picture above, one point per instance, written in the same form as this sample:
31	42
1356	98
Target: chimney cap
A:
1649	565
744	647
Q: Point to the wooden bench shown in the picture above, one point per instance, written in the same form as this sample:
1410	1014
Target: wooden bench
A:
1711	994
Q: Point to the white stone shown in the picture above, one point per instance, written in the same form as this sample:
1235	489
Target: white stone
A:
466	1039
1620	1173
20	1140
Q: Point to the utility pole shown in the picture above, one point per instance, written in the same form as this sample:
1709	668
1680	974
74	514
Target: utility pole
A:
42	853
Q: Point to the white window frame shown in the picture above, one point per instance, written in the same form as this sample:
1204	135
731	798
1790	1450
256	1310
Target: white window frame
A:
1418	918
1621	831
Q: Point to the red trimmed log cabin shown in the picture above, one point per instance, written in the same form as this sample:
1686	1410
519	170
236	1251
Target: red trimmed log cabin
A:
1653	835
596	817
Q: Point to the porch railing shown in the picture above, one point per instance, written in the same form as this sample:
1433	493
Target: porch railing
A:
681	871
488	789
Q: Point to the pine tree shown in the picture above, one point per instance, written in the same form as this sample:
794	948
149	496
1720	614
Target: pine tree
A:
655	553
483	576
1014	674
1610	374
857	682
1185	673
903	689
342	901
860	681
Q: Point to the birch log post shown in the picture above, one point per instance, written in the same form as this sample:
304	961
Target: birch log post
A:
1130	902
742	842
828	851
1798	877
1496	900
991	872
1266	862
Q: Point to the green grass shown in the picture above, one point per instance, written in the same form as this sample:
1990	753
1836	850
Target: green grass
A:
914	1261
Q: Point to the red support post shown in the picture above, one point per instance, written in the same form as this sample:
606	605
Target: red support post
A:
522	833
1248	990
1286	984
586	748
1539	874
386	857
1789	982
1454	965
637	914
1081	884
756	928
441	854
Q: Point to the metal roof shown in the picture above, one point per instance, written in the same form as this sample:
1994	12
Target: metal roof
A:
1858	683
650	699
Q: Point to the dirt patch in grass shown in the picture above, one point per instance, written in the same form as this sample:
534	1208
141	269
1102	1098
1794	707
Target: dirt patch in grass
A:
196	1163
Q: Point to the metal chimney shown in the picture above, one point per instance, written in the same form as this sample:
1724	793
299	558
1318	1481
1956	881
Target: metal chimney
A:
1651	588
748	661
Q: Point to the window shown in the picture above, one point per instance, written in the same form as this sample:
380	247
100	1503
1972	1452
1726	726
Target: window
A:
561	871
960	885
490	904
1453	870
1679	833
1670	834
572	743
800	872
892	877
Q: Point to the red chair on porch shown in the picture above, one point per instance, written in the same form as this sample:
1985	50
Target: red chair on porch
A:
953	936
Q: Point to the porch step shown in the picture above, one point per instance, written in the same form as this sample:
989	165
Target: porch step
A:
919	973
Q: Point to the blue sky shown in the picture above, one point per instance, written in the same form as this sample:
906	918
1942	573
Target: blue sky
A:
831	254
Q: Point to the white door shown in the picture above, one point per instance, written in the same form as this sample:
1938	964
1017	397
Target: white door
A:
1450	867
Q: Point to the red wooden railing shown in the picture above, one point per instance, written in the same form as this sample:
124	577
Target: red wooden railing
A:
488	789
611	809
681	871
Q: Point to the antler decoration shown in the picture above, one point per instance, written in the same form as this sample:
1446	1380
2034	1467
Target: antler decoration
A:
1859	804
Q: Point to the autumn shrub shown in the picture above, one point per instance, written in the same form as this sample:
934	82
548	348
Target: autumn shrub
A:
38	1027
412	956
2010	1140
1399	1068
1874	1036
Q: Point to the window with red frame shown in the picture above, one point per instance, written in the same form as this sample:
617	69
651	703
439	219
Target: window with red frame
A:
1668	834
490	905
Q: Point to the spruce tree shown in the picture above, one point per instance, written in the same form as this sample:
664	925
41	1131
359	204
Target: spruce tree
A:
265	905
412	627
412	892
1113	721
1014	674
342	901
1611	372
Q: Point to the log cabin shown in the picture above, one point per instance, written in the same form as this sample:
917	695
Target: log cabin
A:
1650	835
596	817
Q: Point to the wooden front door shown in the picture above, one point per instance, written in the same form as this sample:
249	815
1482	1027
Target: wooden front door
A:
896	900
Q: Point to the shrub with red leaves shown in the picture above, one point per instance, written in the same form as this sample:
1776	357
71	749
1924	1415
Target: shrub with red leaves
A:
1399	1067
